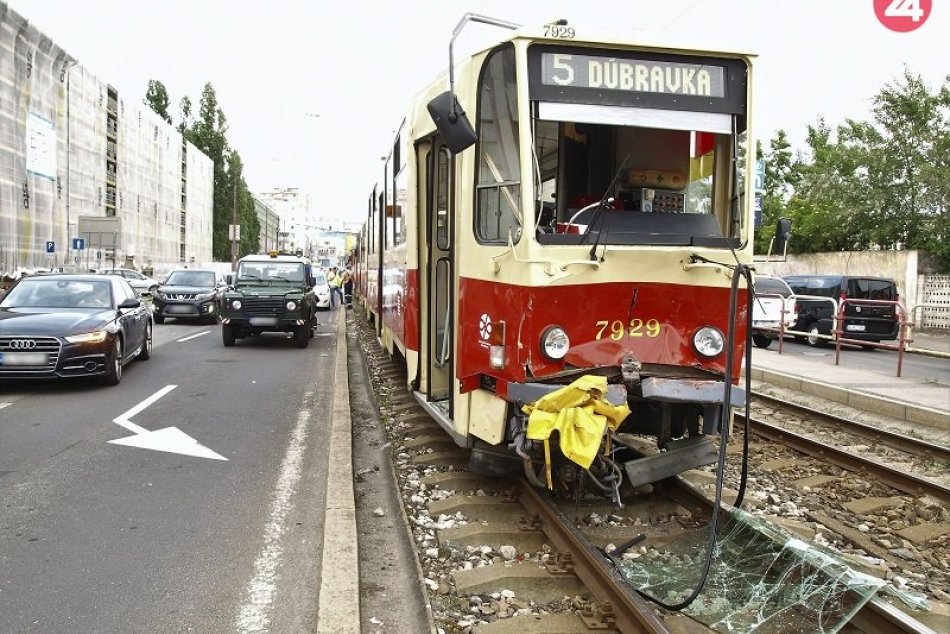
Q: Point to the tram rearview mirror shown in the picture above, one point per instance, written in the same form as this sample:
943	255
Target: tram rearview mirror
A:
783	233
454	127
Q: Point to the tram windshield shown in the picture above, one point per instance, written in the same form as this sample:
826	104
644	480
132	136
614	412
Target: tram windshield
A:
659	185
635	149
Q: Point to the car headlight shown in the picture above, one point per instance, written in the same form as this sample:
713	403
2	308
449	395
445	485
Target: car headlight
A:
236	304
203	297
555	343
88	337
291	305
708	341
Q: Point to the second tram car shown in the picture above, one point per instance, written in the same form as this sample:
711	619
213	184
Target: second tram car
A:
569	208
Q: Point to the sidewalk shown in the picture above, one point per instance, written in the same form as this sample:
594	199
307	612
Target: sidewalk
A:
937	345
901	398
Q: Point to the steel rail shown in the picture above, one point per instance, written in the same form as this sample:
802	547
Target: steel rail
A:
631	612
901	481
891	439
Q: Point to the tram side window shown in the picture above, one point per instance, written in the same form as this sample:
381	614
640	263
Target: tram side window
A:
498	210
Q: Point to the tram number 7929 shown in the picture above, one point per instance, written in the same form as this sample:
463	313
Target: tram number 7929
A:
558	31
617	329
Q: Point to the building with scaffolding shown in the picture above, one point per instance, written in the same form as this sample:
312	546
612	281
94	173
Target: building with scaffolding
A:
88	177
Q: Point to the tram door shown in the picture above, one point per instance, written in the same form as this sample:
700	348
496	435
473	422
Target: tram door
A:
439	214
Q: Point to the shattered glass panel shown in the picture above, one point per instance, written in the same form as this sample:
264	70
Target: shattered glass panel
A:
761	580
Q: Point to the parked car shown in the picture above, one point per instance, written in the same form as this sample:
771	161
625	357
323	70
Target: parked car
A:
862	321
141	283
58	326
772	294
189	294
321	290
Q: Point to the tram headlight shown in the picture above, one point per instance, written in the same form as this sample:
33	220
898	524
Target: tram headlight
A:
554	343
708	341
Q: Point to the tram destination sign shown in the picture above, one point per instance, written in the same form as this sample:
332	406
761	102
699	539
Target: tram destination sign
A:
628	78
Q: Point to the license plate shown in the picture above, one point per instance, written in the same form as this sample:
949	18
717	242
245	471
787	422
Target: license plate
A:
855	327
263	321
23	358
181	310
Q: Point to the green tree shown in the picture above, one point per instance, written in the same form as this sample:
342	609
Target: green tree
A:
156	98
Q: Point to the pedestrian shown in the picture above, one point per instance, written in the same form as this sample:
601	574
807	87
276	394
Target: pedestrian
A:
348	288
335	281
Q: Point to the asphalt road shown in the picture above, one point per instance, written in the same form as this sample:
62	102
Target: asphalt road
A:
97	536
916	367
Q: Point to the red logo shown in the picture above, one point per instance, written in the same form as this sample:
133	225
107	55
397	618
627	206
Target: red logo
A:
902	15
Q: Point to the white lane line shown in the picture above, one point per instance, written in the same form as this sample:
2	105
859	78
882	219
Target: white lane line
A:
123	419
2	405
204	332
256	609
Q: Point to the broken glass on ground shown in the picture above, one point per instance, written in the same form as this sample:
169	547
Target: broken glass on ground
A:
761	579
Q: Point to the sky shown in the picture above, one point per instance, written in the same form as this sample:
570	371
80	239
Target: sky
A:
276	65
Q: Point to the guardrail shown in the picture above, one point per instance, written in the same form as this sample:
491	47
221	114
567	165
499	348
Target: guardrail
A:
913	323
900	346
837	335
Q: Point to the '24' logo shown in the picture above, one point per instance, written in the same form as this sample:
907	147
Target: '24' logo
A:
902	15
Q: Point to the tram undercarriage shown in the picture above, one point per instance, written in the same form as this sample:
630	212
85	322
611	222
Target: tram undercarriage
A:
672	427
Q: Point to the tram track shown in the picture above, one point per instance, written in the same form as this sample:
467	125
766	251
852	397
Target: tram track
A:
896	440
900	480
464	524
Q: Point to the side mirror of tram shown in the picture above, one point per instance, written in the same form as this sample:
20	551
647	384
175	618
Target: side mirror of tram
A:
449	118
783	233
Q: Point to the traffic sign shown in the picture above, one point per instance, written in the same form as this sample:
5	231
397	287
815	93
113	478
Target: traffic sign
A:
50	246
79	244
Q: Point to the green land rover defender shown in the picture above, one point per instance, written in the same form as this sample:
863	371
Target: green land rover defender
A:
270	293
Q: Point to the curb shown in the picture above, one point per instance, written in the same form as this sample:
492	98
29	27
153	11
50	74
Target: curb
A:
338	606
873	403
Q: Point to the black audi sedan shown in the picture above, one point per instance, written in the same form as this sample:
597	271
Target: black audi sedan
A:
189	294
59	326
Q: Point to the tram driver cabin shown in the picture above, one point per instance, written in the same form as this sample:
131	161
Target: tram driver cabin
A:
569	208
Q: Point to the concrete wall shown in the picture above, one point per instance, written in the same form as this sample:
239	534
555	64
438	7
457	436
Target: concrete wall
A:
911	271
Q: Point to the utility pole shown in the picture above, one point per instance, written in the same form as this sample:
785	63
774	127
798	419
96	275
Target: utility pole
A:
234	228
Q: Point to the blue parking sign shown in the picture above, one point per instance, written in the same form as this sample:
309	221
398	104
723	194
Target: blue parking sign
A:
79	244
50	246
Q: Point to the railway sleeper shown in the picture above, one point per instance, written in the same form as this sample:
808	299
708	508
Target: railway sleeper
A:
529	581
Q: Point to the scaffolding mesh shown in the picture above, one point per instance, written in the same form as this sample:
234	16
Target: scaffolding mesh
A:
55	135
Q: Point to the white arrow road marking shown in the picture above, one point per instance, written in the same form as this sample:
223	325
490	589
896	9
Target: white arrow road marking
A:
203	332
2	405
170	439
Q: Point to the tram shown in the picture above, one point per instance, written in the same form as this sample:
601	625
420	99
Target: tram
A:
559	210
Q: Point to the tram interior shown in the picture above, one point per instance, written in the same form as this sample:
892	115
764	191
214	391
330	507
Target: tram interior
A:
669	186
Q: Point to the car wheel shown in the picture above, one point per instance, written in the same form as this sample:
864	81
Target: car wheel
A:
227	335
146	352
301	336
813	339
761	341
868	347
113	373
159	319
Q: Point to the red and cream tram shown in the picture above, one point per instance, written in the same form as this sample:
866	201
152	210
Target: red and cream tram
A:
560	208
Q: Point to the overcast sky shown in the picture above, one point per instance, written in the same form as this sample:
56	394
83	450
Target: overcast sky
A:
358	63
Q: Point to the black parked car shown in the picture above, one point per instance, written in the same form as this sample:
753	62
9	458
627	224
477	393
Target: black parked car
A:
57	326
862	321
189	294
